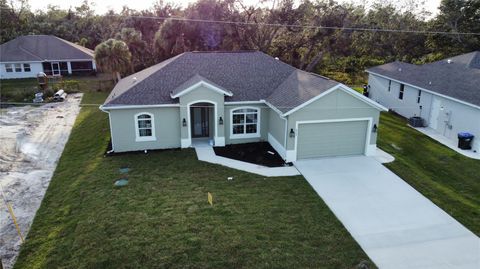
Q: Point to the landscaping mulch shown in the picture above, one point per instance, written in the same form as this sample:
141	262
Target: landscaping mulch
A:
257	153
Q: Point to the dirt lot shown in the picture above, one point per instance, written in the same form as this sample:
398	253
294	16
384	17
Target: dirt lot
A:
32	140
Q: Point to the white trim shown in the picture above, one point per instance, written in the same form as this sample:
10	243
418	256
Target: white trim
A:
139	138
53	70
277	146
291	156
69	67
219	141
111	131
246	135
215	135
371	150
367	139
345	89
245	102
198	84
423	89
102	107
185	143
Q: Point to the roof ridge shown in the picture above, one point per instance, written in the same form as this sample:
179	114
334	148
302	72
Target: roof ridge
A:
26	50
82	48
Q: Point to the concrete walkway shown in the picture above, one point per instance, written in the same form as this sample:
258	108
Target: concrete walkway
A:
447	142
394	224
205	153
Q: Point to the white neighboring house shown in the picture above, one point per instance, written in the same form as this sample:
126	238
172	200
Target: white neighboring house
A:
26	56
446	93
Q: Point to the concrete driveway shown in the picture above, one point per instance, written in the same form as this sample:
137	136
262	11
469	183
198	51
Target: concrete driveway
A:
394	224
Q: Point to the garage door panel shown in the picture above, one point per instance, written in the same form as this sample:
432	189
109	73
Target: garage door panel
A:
331	139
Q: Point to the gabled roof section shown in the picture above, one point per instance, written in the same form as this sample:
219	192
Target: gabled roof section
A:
42	48
457	77
195	82
297	89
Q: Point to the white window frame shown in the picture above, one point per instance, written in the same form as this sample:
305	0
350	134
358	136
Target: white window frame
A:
25	67
139	138
15	68
245	135
9	67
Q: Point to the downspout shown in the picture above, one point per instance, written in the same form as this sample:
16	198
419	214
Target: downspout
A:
110	123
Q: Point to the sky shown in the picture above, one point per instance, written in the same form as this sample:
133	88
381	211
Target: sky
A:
102	6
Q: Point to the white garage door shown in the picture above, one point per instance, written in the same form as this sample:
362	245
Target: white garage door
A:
331	139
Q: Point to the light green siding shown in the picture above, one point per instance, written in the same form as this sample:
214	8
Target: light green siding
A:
336	105
331	139
166	123
276	127
264	111
201	94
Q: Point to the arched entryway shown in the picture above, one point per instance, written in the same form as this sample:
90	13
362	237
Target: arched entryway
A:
202	115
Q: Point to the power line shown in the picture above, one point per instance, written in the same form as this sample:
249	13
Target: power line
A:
360	29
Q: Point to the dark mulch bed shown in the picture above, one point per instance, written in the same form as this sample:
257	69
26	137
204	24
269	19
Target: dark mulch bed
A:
256	153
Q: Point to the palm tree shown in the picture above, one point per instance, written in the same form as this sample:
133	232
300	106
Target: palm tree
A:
113	56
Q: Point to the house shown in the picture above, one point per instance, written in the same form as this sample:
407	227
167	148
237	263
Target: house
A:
240	97
26	56
446	93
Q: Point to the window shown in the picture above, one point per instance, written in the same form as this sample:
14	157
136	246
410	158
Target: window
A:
419	96
400	93
144	127
389	85
8	68
26	68
245	123
18	68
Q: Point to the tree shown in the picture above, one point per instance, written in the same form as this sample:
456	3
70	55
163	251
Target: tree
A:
136	45
113	56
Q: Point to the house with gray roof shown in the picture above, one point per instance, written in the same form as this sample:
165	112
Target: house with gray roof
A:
26	56
240	97
445	94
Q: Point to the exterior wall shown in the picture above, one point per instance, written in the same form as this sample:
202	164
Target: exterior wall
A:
166	122
336	105
264	111
408	107
199	95
35	68
460	117
277	132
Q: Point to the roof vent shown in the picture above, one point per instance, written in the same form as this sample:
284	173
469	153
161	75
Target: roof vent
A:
399	69
276	58
134	79
429	83
449	61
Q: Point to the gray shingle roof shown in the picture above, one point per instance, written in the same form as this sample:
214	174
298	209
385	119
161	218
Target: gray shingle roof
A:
459	79
250	76
298	88
41	48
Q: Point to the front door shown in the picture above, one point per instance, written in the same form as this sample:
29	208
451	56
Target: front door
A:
56	69
199	116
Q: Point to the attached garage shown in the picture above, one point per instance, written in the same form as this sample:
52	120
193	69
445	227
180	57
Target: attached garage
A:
332	138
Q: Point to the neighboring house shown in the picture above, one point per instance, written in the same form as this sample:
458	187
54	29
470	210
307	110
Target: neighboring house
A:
26	56
240	97
446	93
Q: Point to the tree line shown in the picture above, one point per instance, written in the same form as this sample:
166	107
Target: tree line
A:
274	27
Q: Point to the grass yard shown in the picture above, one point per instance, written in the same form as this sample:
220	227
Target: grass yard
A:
444	176
161	219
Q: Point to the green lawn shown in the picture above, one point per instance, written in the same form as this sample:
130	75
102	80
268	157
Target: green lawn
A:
162	218
446	177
